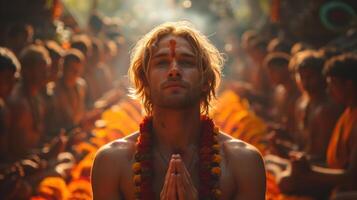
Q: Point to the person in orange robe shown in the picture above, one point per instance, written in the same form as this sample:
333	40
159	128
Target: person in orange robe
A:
341	75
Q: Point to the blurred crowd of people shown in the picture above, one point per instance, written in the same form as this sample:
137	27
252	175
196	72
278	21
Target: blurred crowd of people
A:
49	94
308	98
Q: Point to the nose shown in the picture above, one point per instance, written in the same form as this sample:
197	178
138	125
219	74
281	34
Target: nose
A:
174	71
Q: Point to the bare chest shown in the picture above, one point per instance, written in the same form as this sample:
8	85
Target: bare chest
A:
127	188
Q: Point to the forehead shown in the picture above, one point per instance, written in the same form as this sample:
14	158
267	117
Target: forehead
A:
43	63
307	70
180	45
74	64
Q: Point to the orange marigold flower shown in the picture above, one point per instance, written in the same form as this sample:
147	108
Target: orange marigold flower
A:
217	158
80	187
136	167
215	147
137	179
216	171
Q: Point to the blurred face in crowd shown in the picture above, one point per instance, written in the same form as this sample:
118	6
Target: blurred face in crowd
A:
256	54
278	75
37	74
72	71
54	69
337	89
21	40
97	57
7	81
312	81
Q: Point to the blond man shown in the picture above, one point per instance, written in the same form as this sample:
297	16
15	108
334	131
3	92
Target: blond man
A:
177	153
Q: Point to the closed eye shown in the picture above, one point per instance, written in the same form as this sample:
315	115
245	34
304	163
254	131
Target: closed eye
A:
187	63
163	63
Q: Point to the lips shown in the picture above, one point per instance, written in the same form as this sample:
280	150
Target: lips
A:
173	85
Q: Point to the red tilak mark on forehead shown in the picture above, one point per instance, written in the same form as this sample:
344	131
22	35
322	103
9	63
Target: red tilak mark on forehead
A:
172	48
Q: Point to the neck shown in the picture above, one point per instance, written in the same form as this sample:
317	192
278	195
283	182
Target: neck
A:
176	130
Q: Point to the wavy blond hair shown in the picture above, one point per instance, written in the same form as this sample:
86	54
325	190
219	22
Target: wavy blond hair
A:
209	61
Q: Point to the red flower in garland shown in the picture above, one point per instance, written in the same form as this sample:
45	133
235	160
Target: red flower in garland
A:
209	160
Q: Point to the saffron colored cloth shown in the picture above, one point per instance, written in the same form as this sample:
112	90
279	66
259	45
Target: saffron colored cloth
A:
340	147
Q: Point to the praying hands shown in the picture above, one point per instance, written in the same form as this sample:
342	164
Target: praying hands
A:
178	183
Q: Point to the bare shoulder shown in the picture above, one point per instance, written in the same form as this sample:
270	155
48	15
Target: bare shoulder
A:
120	149
111	163
238	150
247	166
117	154
327	112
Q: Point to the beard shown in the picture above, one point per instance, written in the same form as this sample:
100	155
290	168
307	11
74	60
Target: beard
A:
176	98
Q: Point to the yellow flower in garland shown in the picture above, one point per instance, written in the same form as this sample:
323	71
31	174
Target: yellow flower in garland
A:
136	167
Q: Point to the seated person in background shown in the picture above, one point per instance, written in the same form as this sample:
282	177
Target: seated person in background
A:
25	103
316	114
18	37
9	70
56	53
279	45
256	87
110	54
13	173
340	72
97	74
315	119
285	91
84	45
70	92
298	47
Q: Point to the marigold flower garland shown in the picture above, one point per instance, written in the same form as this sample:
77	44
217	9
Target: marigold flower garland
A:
209	161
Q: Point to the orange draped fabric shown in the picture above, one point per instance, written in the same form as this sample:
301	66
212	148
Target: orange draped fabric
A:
338	152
